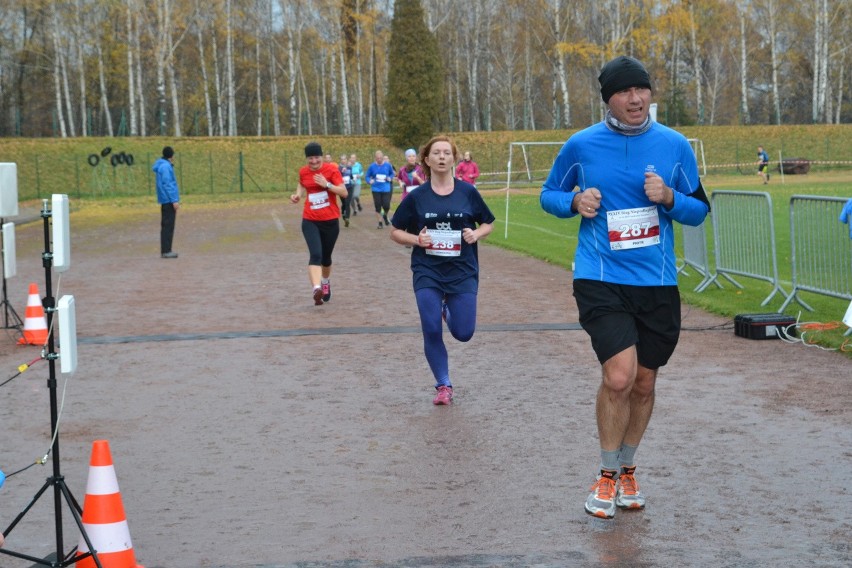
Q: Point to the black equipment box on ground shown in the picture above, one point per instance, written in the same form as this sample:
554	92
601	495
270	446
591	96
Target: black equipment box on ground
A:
764	326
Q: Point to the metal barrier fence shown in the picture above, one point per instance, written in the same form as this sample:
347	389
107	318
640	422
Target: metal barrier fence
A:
821	250
695	254
744	238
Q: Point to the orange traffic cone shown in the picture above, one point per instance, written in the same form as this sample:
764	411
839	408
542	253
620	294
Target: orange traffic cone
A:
103	515
35	324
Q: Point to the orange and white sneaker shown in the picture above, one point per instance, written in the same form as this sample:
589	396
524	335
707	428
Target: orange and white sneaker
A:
628	495
601	501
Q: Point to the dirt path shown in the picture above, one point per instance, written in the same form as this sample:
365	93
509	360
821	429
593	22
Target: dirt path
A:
250	428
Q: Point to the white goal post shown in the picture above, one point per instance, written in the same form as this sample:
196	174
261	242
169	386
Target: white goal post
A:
535	167
698	148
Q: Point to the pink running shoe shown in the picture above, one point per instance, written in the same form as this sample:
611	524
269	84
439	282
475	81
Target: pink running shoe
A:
326	292
444	396
317	296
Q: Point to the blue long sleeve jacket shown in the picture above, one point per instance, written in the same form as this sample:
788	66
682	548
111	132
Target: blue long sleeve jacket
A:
612	246
167	187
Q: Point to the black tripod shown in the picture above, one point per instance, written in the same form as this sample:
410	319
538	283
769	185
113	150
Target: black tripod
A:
11	319
60	489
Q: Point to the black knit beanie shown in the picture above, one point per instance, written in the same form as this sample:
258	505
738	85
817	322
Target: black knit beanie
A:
622	73
313	149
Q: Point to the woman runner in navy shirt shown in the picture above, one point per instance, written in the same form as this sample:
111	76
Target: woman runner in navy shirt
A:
442	220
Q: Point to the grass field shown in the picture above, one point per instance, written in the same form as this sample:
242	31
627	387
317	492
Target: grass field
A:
266	164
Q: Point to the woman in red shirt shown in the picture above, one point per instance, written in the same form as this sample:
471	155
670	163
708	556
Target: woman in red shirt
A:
321	183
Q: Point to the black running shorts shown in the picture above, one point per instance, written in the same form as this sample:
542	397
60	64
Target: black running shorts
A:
617	316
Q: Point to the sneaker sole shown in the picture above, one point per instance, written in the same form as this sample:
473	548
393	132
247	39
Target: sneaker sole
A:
599	514
318	297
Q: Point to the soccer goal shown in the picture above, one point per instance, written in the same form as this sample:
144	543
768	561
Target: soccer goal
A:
528	167
698	148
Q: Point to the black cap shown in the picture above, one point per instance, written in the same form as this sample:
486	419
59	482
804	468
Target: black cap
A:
168	152
313	149
622	73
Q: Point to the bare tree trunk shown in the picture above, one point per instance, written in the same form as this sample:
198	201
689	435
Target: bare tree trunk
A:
529	114
489	72
474	104
220	95
273	77
332	123
359	79
131	87
307	107
561	71
170	72
696	63
67	92
102	80
81	78
819	112
371	109
162	50
229	56
81	67
458	83
204	77
746	119
57	72
143	124
323	91
840	87
773	52
293	84
344	92
161	98
258	89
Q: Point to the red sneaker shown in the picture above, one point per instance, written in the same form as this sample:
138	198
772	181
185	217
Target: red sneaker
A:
444	396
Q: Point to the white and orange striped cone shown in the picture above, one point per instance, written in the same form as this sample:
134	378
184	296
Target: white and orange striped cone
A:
103	515
35	324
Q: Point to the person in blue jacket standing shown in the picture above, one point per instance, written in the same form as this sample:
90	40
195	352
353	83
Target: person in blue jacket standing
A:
629	179
168	197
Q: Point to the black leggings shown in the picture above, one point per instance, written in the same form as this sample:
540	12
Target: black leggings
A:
382	201
320	236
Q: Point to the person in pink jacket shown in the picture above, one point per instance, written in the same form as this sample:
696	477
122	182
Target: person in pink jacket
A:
411	174
467	170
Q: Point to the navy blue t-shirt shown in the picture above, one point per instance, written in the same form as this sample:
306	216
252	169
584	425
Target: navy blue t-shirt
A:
450	265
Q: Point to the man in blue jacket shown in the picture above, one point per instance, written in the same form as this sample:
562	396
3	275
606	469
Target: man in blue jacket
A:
628	178
169	199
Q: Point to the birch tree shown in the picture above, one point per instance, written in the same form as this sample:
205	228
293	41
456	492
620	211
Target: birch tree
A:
293	22
57	73
229	76
131	94
820	61
79	35
200	23
273	71
103	89
696	62
745	117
